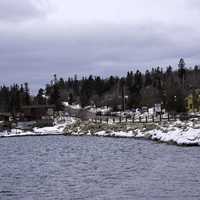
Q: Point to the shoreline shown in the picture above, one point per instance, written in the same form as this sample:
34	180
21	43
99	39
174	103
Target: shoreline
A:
31	135
179	133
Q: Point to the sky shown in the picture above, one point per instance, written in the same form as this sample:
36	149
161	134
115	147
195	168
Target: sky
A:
39	38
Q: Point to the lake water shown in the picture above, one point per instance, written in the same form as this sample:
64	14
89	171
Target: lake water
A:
59	167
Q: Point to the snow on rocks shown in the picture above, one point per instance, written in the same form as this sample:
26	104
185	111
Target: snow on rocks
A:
189	136
180	133
74	106
57	129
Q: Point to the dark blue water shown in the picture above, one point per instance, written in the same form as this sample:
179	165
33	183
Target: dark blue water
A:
58	167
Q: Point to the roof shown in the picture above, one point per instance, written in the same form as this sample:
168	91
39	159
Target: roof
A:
5	114
38	106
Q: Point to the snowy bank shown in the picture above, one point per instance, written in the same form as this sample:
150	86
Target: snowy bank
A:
57	129
179	133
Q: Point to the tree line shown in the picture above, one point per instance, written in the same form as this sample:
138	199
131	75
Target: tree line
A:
14	97
136	89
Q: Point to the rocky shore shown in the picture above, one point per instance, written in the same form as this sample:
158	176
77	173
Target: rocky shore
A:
91	128
180	133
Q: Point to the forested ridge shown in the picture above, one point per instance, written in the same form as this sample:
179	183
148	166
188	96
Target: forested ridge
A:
169	87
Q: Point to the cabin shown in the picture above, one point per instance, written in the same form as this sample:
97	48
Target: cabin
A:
37	112
5	121
5	117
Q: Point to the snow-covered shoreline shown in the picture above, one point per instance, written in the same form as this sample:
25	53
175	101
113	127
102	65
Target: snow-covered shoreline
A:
179	133
176	136
57	129
36	132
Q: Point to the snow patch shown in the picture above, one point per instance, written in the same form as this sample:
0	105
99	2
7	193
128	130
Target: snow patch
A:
57	129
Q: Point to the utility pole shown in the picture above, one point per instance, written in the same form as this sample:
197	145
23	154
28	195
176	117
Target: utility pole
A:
123	98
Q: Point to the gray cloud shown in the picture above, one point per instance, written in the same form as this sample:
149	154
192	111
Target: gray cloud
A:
108	50
10	11
34	50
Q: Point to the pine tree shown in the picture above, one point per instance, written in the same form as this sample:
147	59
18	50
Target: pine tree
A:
182	71
27	100
55	98
40	97
70	99
148	80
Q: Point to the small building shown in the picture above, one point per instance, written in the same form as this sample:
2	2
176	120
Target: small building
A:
5	121
192	101
37	112
189	103
5	117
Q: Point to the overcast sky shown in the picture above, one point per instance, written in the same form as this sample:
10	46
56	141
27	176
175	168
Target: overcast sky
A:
102	37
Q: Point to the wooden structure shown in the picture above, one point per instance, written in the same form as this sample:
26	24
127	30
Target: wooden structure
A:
144	119
5	122
36	112
5	117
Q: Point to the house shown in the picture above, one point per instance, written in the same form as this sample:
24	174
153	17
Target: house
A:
37	112
192	101
189	103
5	121
5	117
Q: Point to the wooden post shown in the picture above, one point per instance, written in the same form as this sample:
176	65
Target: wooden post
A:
153	118
140	119
107	120
113	120
146	119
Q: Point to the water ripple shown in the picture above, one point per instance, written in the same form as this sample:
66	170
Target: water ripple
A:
93	168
